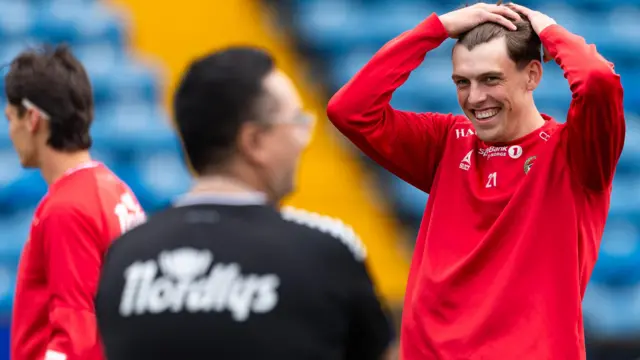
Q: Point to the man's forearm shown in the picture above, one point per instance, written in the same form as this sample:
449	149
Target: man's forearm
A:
580	61
370	90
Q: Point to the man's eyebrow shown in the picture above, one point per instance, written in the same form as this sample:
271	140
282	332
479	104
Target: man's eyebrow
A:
492	73
485	74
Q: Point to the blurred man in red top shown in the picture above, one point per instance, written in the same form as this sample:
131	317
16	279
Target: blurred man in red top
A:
518	201
50	110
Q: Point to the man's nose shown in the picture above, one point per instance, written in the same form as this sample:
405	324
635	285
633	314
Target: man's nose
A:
476	95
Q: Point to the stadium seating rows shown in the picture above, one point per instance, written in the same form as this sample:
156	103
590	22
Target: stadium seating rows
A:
131	132
345	33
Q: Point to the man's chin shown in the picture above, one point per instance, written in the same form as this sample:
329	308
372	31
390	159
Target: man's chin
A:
489	135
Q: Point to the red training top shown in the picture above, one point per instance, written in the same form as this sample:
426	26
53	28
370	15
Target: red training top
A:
53	314
511	231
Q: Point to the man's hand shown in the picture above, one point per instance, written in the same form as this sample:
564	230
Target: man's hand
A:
538	20
460	21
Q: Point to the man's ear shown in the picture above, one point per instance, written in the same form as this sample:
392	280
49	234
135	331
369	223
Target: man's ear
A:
250	142
533	72
34	120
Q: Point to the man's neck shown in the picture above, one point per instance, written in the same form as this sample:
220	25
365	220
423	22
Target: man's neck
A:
530	122
219	184
55	164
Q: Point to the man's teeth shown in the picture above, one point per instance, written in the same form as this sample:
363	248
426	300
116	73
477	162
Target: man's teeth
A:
484	114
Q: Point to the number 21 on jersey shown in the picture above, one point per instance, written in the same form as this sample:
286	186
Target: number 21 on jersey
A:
492	180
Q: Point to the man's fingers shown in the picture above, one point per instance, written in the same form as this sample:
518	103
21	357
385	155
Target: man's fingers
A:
508	13
499	19
502	10
519	8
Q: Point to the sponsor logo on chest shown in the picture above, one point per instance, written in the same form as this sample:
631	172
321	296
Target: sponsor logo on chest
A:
514	151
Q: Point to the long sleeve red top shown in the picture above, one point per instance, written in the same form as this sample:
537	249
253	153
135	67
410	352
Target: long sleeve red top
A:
74	224
510	233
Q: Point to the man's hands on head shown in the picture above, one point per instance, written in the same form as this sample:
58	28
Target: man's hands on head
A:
538	20
460	21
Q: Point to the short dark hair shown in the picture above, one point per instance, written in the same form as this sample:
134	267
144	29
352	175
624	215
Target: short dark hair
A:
217	95
55	81
523	44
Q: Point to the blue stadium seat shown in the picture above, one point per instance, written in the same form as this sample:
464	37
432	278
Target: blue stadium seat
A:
41	2
8	269
57	22
17	20
156	180
11	169
163	173
101	57
630	158
630	81
10	49
107	155
619	252
124	82
409	201
134	126
60	21
15	227
612	312
5	141
26	191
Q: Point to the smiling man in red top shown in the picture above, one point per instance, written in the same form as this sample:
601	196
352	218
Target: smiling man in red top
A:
50	111
518	201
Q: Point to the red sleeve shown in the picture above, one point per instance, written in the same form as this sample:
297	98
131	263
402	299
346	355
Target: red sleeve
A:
408	144
595	126
73	258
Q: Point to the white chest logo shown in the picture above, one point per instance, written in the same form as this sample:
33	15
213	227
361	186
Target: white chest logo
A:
466	161
462	133
515	151
185	285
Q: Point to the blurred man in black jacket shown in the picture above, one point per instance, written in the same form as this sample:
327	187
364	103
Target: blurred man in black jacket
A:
224	273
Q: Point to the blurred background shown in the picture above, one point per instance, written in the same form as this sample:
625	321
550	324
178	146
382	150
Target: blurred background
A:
135	50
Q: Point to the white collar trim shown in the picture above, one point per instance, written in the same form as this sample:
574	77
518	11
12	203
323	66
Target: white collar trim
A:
235	199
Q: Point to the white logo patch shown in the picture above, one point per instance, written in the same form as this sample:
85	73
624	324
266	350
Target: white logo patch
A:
183	284
544	136
466	161
515	151
493	151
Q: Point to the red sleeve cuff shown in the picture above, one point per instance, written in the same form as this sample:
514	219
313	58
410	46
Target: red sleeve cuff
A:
433	28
